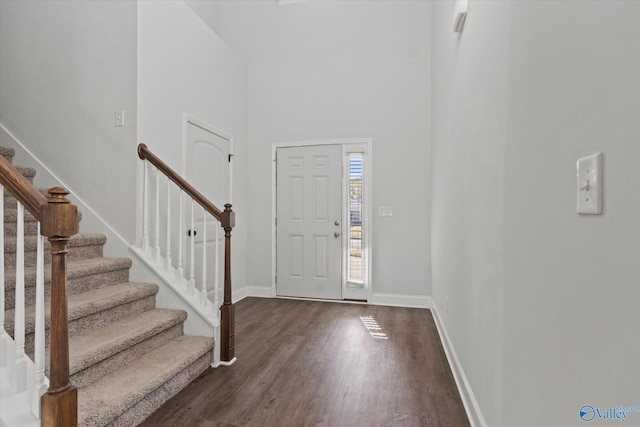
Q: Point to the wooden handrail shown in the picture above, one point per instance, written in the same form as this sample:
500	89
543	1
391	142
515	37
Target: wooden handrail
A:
227	221
59	221
20	188
145	154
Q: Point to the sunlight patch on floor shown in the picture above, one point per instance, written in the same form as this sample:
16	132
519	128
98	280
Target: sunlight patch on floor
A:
374	329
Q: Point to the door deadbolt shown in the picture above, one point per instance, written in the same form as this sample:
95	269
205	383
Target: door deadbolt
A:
337	223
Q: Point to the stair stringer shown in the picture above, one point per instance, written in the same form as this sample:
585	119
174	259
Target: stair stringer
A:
206	312
198	322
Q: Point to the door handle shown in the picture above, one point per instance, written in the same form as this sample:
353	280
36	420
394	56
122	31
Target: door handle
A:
336	234
191	233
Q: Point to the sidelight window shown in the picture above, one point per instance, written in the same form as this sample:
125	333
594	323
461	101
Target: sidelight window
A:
356	264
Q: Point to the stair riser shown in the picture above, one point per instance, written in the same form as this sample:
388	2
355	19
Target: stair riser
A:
75	253
91	322
75	285
98	320
97	371
30	228
10	215
153	401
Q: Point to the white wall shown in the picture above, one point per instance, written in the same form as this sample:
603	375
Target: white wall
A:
542	302
571	318
184	67
334	70
207	10
65	68
469	152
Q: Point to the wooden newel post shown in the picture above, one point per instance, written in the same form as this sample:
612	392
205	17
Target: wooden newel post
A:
59	405
227	311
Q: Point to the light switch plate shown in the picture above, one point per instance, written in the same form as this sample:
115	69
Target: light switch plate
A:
385	211
590	185
119	119
459	15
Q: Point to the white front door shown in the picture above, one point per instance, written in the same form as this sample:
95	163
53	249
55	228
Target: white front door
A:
309	215
208	170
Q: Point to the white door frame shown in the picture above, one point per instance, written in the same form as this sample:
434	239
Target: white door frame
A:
348	145
188	119
191	120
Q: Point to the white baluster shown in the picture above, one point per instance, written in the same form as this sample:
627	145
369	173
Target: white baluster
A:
192	268
145	210
3	336
216	286
40	386
181	237
168	224
157	247
203	291
19	375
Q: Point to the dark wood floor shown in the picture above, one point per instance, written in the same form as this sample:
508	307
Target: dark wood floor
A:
308	363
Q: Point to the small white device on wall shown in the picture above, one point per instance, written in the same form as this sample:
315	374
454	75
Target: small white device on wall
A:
590	185
459	15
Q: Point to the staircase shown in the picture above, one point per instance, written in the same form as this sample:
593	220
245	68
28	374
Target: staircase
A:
127	357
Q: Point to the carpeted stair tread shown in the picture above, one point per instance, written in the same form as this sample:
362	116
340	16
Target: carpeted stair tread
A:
87	303
79	240
7	153
127	357
90	348
10	215
80	246
30	223
105	400
75	269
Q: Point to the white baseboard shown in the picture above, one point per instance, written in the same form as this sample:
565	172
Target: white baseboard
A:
231	362
251	291
238	294
469	400
400	300
393	300
259	291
